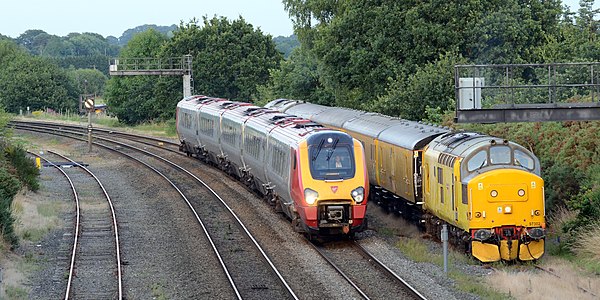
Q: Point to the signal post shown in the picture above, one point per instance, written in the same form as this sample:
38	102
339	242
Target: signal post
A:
89	104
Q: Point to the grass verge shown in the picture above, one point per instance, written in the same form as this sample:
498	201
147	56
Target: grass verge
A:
162	129
418	251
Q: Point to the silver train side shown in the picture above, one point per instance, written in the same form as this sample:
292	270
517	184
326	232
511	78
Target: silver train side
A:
276	154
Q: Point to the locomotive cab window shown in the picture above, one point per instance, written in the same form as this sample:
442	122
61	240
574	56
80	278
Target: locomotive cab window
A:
477	161
332	163
500	155
523	159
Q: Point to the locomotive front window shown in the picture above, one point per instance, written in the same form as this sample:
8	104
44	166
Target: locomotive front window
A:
523	159
500	155
332	163
478	160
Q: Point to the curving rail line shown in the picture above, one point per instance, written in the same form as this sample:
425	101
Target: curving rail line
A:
78	224
40	128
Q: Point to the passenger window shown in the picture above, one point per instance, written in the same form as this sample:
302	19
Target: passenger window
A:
522	159
440	175
478	160
500	155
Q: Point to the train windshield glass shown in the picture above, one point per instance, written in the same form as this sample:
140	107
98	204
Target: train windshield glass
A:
331	163
478	161
500	155
523	159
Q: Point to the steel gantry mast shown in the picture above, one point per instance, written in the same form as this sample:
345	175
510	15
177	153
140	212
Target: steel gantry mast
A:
179	66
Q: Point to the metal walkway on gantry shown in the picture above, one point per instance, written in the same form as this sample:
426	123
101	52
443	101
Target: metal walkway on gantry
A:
180	66
527	92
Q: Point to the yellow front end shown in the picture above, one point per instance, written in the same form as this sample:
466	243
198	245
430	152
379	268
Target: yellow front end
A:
332	196
506	215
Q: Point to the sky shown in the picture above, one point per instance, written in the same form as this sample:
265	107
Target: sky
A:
112	17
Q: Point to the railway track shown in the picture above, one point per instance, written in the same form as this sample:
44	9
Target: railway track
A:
368	275
95	264
254	276
385	278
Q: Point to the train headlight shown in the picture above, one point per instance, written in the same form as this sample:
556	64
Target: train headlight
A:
537	212
508	209
536	233
482	234
310	196
358	194
521	192
494	193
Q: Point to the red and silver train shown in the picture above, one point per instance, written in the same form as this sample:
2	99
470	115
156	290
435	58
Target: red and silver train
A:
315	175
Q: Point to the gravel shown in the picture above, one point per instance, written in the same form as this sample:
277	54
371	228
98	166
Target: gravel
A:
166	254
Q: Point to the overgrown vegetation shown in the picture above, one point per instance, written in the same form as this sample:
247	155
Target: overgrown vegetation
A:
16	171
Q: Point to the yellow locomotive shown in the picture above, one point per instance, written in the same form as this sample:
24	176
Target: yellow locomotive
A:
487	189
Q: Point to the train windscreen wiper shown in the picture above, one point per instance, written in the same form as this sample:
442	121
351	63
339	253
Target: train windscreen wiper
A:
332	149
318	150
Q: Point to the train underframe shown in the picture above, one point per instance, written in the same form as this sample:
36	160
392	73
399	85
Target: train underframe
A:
330	218
507	243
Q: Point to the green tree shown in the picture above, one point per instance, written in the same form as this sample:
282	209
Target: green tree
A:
88	81
431	85
231	58
136	99
36	83
286	45
297	78
130	33
360	45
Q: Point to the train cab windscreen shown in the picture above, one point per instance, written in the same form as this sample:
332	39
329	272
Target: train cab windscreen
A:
332	159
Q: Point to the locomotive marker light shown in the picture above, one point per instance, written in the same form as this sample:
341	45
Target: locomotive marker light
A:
358	194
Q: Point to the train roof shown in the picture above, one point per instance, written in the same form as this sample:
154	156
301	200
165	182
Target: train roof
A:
404	133
461	143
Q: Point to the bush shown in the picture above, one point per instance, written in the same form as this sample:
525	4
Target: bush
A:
9	186
25	168
562	182
588	204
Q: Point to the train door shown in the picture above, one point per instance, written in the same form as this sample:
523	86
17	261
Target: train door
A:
372	167
407	177
392	165
382	178
418	176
